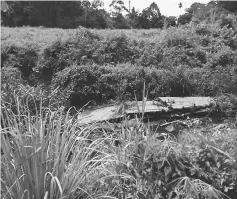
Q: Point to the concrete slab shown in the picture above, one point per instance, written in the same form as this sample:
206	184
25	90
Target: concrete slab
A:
160	106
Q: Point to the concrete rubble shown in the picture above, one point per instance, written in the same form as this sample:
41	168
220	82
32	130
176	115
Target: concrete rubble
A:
163	106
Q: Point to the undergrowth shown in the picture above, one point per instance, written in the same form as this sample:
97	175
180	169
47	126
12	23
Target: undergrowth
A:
192	60
47	154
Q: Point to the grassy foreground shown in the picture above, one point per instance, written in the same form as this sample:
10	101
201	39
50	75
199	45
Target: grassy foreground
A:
46	154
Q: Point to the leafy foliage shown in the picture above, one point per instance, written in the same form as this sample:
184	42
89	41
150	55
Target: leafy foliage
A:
92	65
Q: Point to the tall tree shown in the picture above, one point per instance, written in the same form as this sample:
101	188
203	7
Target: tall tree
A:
185	18
180	7
120	22
133	18
5	7
97	4
171	21
151	17
118	6
231	6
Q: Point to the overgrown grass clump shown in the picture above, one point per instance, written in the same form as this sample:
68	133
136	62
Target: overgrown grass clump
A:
45	154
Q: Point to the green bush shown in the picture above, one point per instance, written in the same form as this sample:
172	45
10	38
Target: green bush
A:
212	82
223	57
119	50
227	105
150	55
23	58
203	31
14	89
80	84
62	54
168	169
104	65
228	21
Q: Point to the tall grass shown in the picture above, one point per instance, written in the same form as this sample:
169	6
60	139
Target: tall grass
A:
47	155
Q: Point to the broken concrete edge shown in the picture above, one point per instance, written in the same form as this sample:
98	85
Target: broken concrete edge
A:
158	111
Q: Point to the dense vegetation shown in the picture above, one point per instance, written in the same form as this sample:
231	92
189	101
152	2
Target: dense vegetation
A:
198	58
47	154
192	60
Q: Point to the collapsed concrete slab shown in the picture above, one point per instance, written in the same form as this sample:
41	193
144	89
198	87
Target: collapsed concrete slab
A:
163	106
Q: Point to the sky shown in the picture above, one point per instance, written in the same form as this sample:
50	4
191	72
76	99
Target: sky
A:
167	7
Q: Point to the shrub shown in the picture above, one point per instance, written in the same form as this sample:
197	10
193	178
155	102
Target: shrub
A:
62	54
118	49
114	61
162	169
227	105
224	57
203	31
201	56
20	57
10	80
212	82
14	88
80	84
205	41
178	39
228	21
150	55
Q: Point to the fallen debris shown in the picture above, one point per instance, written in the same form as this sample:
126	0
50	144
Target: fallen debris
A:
171	105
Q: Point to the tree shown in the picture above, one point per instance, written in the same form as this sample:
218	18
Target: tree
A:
63	14
231	6
180	7
93	16
198	11
195	7
54	14
97	4
120	22
118	6
151	17
133	18
170	21
19	17
185	18
5	7
6	12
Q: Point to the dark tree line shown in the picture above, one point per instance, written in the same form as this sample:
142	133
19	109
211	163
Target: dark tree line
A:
60	14
212	11
91	14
